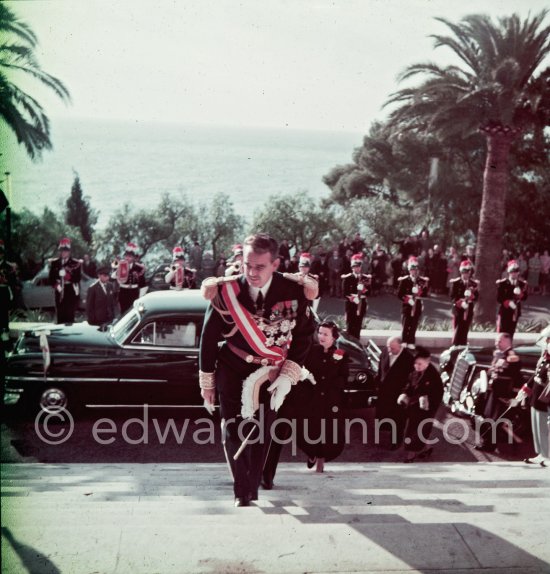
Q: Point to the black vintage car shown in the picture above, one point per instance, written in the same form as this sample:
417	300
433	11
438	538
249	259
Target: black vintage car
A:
461	372
150	355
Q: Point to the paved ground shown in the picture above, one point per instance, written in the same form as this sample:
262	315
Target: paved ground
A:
178	518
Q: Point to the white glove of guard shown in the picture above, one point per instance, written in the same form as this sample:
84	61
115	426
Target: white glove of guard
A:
464	305
423	403
279	389
411	302
512	305
467	293
415	289
403	400
517	291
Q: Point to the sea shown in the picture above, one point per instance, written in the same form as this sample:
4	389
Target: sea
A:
121	162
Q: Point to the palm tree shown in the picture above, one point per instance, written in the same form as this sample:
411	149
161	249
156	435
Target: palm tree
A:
492	90
21	112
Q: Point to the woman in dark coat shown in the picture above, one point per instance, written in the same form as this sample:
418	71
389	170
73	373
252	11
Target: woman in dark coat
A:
322	436
421	398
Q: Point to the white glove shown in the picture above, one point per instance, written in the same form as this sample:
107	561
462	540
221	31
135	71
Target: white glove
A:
415	289
464	305
423	403
467	293
517	291
62	273
279	389
403	399
360	287
59	288
411	302
512	305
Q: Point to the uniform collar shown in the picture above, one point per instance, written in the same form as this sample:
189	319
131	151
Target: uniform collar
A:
254	291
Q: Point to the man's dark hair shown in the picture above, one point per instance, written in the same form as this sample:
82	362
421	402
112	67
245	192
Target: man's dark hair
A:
263	243
422	353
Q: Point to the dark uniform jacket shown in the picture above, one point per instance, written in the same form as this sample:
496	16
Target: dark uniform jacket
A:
406	294
100	304
458	287
539	382
505	295
350	285
72	273
286	319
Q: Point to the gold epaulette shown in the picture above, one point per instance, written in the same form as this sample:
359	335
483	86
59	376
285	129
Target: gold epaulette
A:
345	275
404	277
311	286
455	280
425	279
501	280
512	358
209	286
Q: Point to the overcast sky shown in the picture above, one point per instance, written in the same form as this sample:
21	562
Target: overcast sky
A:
315	64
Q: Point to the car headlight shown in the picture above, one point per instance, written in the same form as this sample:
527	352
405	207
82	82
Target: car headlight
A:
361	377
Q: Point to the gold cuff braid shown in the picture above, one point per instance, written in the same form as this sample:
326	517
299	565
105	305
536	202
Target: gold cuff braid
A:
207	380
292	370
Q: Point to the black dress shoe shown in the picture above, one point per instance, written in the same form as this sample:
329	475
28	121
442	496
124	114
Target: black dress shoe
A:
242	501
254	496
311	462
267	483
485	447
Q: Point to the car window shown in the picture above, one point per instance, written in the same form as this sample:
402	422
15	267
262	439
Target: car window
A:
158	278
123	327
168	334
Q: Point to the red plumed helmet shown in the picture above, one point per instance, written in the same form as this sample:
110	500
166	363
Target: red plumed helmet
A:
177	252
466	265
131	248
356	260
513	265
64	243
305	260
237	249
412	263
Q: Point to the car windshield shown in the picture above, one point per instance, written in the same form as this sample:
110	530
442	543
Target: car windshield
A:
122	328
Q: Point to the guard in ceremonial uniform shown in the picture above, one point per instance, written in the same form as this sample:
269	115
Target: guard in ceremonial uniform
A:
179	276
130	276
510	294
235	267
464	294
503	376
65	279
304	265
356	287
7	291
265	321
411	288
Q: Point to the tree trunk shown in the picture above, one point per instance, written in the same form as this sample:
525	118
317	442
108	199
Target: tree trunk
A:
491	220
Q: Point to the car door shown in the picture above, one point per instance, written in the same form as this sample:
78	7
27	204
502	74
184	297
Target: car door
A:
159	363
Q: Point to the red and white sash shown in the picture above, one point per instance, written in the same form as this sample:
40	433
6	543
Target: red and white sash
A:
247	326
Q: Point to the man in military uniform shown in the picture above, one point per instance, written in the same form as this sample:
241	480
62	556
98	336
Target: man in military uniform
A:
464	294
64	277
410	289
267	325
356	288
179	276
235	267
100	300
503	376
130	276
510	294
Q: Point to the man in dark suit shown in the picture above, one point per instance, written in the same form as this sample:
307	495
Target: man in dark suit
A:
265	321
396	363
100	300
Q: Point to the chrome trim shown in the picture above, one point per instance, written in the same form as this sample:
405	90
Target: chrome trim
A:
142	381
161	348
100	406
43	379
